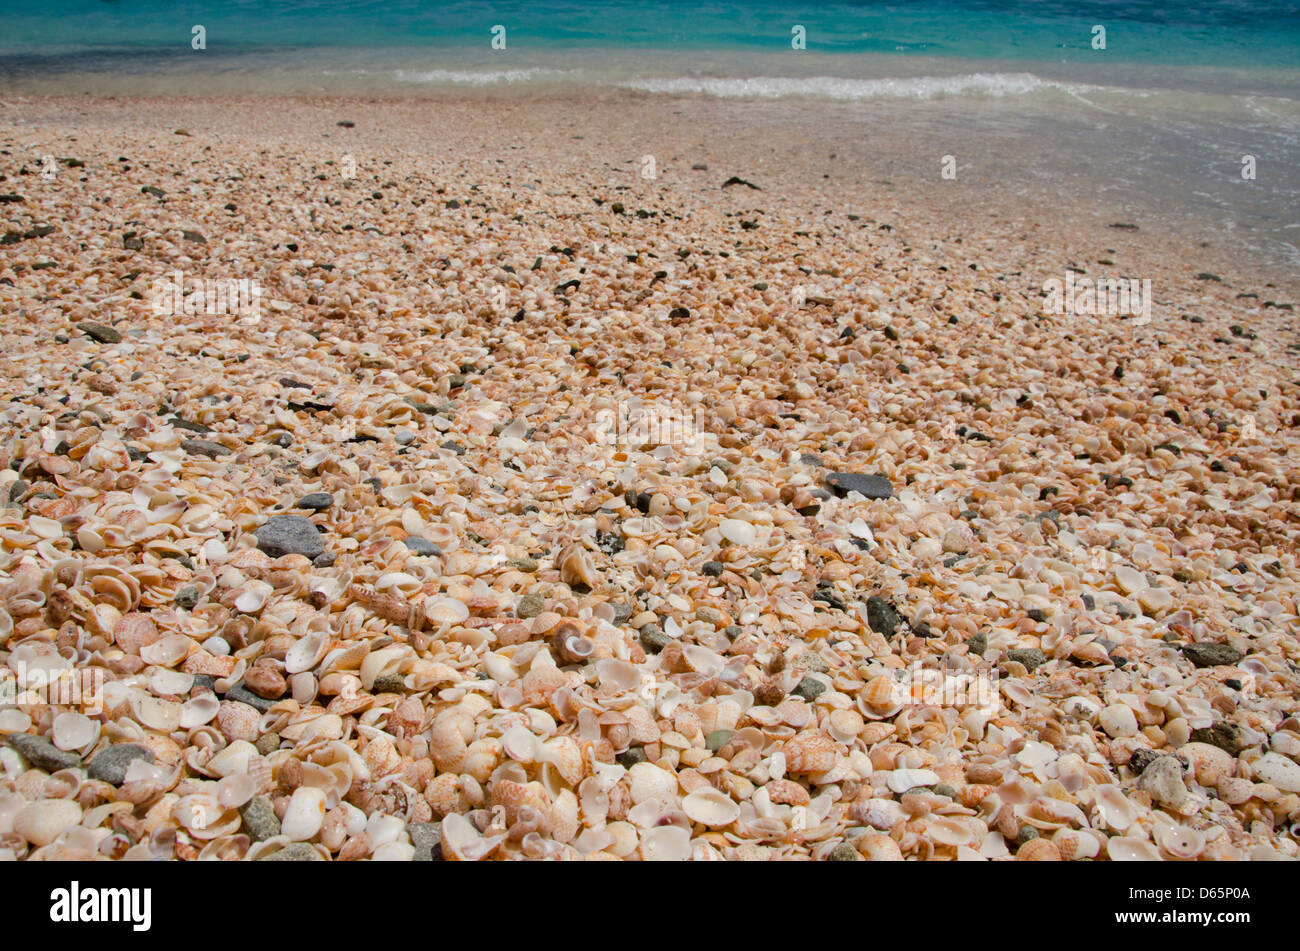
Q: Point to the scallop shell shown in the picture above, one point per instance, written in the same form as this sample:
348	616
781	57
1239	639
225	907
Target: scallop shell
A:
1038	850
809	752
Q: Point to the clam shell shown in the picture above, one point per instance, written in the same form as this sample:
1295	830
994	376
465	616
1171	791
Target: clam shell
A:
711	807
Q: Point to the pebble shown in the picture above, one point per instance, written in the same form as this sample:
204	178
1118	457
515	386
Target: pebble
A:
871	486
1207	654
1163	781
530	605
204	447
809	689
316	501
844	852
187	596
241	694
1030	657
653	639
422	546
101	333
110	765
427	839
294	852
882	617
260	821
289	535
42	753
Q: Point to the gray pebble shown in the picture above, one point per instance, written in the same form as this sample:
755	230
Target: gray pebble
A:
1205	654
422	546
809	689
111	764
204	447
388	683
871	486
41	753
294	852
427	839
289	535
241	694
316	501
530	605
1031	657
101	333
187	597
260	821
653	640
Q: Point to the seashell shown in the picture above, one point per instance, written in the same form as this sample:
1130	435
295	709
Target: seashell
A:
711	807
252	597
197	711
1076	844
162	716
564	753
461	842
384	662
235	790
1038	850
665	844
40	823
133	632
883	697
738	532
652	783
167	651
305	653
810	752
952	830
445	611
304	815
1118	720
881	814
1128	849
1277	770
576	567
844	725
901	780
74	731
878	848
1180	842
1113	807
1208	763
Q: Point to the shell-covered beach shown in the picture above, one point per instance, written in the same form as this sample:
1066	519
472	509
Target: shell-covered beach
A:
749	509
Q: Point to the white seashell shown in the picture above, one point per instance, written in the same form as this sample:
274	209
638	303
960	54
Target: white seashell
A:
952	830
199	710
306	812
305	653
519	744
702	660
393	852
162	716
235	790
665	844
45	527
1130	580
167	651
14	721
387	660
882	814
461	841
737	532
40	823
445	610
235	758
711	807
1180	841
1118	720
617	675
1114	808
172	683
1278	771
400	580
253	597
1122	849
901	780
74	731
650	782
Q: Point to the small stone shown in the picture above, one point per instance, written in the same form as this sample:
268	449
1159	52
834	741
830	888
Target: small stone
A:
718	739
242	694
809	689
526	565
871	486
1163	782
530	605
630	757
101	333
653	639
187	596
712	568
111	764
978	643
943	789
844	852
810	661
42	753
204	447
1031	657
17	489
1206	654
194	236
1026	834
404	437
733	631
882	617
260	821
268	743
422	546
316	501
324	559
289	535
294	852
768	694
388	683
1223	735
427	839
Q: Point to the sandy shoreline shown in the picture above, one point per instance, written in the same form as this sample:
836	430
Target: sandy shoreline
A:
1078	509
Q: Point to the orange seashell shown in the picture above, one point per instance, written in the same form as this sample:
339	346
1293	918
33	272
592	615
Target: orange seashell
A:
1038	850
809	752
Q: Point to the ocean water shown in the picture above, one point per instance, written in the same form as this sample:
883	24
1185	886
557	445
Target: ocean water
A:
1163	115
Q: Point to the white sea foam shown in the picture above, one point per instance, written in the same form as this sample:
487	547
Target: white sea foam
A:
829	87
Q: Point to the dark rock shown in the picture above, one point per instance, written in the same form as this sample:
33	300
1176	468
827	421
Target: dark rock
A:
110	765
204	447
712	568
194	236
152	190
653	639
241	694
325	559
529	606
388	683
43	754
187	597
1031	657
1206	654
101	333
1223	735
871	486
844	852
630	757
809	689
734	180
882	617
316	501
978	643
289	535
422	546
